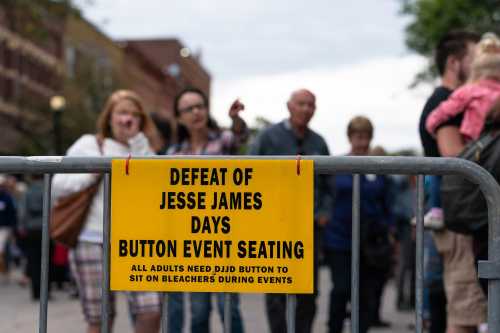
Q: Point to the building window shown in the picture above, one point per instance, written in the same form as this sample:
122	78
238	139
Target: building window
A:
70	57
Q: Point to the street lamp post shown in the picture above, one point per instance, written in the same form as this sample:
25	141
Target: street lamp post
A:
57	105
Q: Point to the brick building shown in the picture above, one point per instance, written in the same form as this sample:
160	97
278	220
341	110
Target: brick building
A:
30	73
78	61
173	59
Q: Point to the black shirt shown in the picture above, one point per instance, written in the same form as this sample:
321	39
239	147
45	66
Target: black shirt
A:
429	144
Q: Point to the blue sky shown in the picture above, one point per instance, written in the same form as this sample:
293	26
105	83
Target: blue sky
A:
351	54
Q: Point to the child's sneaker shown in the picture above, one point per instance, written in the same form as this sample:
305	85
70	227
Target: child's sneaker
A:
433	219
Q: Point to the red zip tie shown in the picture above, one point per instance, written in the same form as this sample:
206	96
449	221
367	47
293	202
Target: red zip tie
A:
127	162
298	165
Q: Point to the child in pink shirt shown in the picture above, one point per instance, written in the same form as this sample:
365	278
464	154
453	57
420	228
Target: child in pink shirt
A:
477	98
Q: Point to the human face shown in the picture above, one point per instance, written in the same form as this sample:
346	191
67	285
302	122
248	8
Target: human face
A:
193	112
360	143
302	105
465	63
125	120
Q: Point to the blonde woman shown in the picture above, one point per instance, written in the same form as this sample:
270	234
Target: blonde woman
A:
123	128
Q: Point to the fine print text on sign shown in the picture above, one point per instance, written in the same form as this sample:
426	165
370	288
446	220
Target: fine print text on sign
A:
212	226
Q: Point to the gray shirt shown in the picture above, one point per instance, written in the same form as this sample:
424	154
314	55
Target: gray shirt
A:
279	139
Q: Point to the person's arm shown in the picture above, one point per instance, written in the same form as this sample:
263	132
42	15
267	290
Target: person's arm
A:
448	109
449	141
140	146
66	184
239	128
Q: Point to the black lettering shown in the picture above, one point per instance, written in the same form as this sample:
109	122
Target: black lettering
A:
287	249
151	243
133	252
214	202
195	224
271	244
162	204
197	248
171	200
143	245
181	200
122	245
194	175
201	200
223	175
185	176
174	176
172	248
248	175
223	201
235	200
204	177
207	249
237	176
247	200
251	249
262	250
257	198
299	250
226	226
187	248
160	248
242	250
191	200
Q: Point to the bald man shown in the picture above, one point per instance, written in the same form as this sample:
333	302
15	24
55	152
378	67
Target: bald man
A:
293	136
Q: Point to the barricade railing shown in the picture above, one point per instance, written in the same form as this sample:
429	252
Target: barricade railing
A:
322	165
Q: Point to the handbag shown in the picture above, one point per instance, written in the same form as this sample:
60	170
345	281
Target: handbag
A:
69	213
464	205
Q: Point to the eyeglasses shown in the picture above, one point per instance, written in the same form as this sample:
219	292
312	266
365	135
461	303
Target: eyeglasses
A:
190	109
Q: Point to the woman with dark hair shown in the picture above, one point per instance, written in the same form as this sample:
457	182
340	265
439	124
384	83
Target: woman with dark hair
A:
198	134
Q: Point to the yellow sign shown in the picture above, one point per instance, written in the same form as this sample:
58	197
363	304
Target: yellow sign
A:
212	226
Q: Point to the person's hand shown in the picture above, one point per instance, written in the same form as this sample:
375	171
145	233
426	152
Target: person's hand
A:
236	108
130	127
125	125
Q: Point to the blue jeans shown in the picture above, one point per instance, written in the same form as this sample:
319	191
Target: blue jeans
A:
175	315
201	307
434	189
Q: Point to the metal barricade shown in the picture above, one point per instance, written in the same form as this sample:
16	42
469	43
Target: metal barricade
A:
323	165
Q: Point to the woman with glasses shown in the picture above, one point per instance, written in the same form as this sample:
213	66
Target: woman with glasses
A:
198	134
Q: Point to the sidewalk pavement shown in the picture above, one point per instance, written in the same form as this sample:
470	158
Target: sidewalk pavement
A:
20	315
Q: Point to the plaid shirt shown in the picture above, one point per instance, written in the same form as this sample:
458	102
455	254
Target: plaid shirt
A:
219	143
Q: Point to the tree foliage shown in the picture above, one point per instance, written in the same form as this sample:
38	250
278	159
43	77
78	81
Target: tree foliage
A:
85	90
430	20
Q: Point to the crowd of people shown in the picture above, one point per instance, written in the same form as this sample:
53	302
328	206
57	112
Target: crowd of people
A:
458	111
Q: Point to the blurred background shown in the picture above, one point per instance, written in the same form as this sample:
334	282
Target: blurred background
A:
60	59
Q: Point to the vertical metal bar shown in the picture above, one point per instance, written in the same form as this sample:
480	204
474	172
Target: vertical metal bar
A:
44	279
164	314
291	307
419	271
493	254
356	231
227	313
105	313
